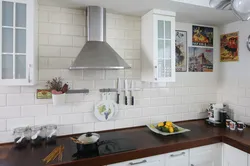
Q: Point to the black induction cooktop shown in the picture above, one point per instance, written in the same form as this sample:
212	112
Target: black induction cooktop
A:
107	147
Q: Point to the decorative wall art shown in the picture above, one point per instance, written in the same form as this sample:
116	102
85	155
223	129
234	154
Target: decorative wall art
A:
180	51
200	59
43	94
202	36
229	47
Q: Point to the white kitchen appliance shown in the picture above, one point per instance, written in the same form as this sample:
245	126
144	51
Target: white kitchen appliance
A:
214	112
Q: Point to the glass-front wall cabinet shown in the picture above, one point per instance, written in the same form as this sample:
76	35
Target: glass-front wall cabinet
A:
164	54
17	47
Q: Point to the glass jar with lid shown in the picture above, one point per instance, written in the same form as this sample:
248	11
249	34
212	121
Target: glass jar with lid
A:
51	133
21	136
36	136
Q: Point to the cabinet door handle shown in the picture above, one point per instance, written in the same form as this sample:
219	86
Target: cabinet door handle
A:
137	163
29	80
176	155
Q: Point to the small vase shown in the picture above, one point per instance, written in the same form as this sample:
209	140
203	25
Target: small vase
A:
58	99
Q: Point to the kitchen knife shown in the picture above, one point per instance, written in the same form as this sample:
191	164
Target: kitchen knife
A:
132	93
118	90
126	91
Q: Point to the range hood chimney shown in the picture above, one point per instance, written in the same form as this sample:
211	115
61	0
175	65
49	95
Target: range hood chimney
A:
97	53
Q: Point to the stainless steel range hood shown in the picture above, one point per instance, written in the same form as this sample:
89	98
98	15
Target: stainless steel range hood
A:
97	53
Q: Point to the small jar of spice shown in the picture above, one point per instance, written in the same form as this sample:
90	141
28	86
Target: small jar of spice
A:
51	134
21	136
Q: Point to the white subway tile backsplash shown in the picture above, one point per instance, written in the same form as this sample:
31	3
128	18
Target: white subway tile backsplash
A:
115	33
79	41
93	74
3	125
6	136
72	30
166	92
34	110
49	51
181	108
59	40
44	120
48	74
43	16
58	17
133	113
10	112
141	121
49	28
20	99
90	117
49	8
105	84
83	128
83	85
20	122
65	130
83	107
124	123
43	39
150	111
157	119
9	89
132	54
174	100
72	119
158	101
70	51
59	109
166	110
59	63
181	91
99	126
79	19
174	117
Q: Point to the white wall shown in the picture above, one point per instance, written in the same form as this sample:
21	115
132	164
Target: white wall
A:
62	33
234	81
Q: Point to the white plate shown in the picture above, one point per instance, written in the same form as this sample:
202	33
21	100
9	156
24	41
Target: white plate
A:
153	128
104	110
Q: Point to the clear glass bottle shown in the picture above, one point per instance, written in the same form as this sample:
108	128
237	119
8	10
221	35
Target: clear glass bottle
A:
51	134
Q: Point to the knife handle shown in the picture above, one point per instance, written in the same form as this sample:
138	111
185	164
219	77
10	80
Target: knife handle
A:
118	98
132	100
126	100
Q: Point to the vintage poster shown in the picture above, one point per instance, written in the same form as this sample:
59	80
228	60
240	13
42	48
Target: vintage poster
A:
200	59
43	94
203	36
180	51
229	47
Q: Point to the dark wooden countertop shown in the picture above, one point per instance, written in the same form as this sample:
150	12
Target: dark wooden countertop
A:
147	144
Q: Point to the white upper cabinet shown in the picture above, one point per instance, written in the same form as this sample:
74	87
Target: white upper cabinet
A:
158	46
18	42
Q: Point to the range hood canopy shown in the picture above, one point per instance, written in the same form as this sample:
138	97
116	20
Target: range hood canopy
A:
97	53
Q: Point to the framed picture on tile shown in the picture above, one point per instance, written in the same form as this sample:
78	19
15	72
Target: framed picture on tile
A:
180	51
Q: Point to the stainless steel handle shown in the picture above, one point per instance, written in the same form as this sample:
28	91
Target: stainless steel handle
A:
192	164
176	155
141	162
29	80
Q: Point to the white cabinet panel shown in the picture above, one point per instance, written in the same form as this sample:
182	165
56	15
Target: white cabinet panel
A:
179	158
158	46
233	156
149	161
18	34
206	155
